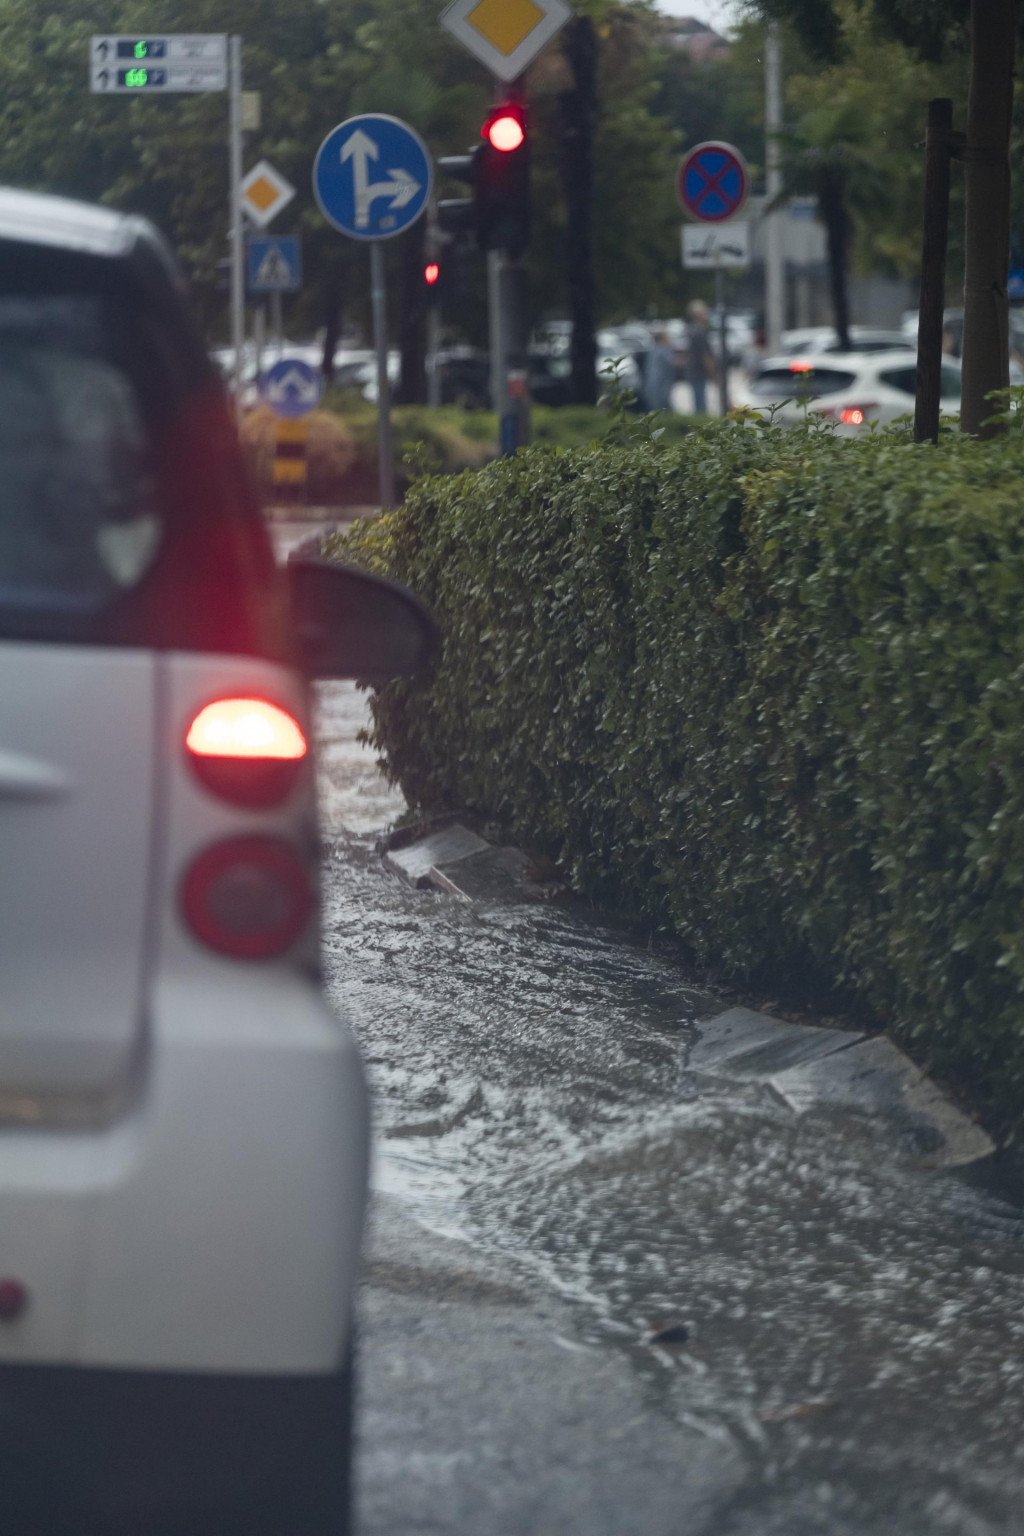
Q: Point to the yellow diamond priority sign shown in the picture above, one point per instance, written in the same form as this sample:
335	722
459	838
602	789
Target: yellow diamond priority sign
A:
264	193
506	35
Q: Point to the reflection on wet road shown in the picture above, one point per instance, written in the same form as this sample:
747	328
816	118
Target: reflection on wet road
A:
847	1352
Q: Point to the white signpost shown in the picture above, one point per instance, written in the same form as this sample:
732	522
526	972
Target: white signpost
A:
264	193
134	65
710	246
182	61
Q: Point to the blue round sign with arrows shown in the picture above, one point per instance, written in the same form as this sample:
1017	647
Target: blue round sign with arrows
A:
292	387
372	176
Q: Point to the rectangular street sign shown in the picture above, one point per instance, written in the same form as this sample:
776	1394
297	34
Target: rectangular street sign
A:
707	246
273	263
137	65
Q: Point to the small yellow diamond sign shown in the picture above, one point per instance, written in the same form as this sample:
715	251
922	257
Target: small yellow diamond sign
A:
505	24
264	193
506	35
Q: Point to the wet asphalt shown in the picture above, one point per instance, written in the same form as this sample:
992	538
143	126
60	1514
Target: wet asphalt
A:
841	1329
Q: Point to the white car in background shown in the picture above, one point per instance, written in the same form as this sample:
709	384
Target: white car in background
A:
852	389
863	338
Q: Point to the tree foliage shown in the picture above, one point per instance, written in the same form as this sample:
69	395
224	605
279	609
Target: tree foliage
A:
314	65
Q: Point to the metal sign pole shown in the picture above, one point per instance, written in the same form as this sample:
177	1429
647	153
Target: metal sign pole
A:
385	451
774	257
723	342
237	242
277	322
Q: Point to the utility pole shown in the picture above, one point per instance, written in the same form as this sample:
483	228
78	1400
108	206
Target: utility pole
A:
774	260
235	226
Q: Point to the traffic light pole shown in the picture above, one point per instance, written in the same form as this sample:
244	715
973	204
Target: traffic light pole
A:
385	451
498	335
237	235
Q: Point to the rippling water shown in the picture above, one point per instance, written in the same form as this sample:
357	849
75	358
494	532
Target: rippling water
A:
854	1325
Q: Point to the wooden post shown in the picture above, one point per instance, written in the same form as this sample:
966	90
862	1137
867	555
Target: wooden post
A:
938	145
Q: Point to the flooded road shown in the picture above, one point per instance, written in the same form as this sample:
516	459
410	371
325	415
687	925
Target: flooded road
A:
842	1331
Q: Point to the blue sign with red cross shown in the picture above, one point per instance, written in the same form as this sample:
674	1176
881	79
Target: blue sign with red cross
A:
712	182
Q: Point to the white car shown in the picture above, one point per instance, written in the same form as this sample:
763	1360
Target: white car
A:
862	338
853	389
183	1122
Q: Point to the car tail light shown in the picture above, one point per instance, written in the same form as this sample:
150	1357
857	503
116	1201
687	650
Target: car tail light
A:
250	897
246	750
856	415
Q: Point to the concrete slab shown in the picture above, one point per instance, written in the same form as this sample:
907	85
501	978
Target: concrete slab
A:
496	874
877	1078
744	1043
437	851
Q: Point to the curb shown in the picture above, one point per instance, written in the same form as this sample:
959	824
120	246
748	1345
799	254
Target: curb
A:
807	1066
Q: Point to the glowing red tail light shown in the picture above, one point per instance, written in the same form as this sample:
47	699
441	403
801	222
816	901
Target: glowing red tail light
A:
248	897
855	415
246	750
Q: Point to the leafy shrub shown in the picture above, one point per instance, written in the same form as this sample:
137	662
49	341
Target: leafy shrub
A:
447	440
766	687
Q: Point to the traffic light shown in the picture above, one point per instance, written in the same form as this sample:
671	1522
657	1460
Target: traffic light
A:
498	171
457	215
432	279
503	181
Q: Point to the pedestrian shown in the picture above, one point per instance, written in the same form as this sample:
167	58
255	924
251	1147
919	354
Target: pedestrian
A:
700	360
657	372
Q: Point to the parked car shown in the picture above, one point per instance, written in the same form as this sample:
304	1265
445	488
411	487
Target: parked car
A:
851	388
863	338
183	1122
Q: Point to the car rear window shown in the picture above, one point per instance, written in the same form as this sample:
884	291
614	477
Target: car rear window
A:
125	517
799	383
905	380
79	521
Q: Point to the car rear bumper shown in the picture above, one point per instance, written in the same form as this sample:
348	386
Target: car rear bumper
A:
215	1227
108	1453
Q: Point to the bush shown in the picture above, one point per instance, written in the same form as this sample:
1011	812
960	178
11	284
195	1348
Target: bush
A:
447	440
763	686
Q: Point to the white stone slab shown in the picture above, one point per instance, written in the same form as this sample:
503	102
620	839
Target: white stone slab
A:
438	850
877	1078
744	1043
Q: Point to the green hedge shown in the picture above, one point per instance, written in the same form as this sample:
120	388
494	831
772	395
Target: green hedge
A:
766	687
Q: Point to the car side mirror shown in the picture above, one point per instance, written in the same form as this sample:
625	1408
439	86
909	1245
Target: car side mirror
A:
352	624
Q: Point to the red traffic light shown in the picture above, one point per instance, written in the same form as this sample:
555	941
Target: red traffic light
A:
431	273
505	130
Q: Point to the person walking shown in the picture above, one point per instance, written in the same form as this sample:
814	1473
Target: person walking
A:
657	373
700	360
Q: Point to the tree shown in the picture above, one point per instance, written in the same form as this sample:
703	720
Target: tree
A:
930	27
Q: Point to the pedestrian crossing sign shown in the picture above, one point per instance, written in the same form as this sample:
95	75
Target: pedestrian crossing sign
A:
274	264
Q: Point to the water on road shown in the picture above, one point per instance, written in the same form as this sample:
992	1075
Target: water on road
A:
845	1331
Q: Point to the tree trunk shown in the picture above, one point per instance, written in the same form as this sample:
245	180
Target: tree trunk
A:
579	120
335	287
986	362
832	206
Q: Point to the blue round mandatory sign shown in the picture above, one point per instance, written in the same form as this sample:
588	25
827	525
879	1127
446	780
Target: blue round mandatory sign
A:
372	177
292	387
